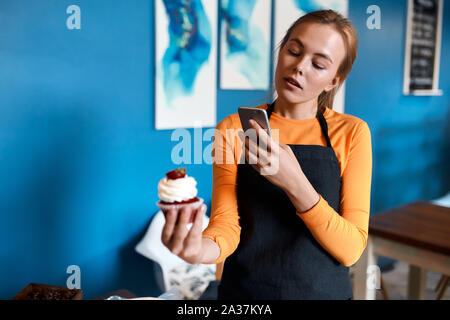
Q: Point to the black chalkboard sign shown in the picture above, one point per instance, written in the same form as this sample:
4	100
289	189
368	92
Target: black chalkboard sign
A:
423	47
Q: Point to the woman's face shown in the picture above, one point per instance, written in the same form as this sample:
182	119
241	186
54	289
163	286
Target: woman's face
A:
312	57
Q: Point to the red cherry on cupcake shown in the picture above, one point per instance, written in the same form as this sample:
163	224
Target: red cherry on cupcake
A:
176	174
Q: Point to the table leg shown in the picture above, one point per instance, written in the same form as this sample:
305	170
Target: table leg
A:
417	281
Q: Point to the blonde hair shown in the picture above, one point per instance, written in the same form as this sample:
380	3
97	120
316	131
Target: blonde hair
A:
350	37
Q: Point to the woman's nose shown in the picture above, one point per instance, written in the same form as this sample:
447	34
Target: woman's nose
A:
301	64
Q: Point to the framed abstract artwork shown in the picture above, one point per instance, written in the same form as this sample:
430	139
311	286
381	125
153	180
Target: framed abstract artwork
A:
245	44
186	63
288	11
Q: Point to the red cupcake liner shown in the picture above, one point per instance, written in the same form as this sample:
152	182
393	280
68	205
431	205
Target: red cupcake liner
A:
166	207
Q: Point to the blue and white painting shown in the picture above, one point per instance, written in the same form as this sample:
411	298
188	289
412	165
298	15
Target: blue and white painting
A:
288	11
245	44
186	63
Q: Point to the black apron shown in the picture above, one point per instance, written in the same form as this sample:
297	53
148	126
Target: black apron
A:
277	257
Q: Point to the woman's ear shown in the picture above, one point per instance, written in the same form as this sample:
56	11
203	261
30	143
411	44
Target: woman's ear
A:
332	85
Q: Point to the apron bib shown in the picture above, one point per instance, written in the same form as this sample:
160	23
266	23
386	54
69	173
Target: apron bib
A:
277	257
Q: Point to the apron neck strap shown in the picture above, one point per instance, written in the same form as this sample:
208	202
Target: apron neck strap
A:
322	121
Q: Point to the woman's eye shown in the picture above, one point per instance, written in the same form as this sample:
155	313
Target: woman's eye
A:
297	54
318	67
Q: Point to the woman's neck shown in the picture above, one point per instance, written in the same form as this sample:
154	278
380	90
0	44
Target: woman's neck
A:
303	111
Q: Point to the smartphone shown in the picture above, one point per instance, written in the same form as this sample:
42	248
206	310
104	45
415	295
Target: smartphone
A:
259	115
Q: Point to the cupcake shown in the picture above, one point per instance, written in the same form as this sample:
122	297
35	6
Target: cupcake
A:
177	190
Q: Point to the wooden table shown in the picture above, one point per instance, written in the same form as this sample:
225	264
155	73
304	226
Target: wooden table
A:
418	234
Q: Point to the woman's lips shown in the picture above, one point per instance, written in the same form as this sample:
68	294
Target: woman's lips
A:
291	83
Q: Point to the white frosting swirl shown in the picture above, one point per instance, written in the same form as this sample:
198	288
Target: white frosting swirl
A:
177	190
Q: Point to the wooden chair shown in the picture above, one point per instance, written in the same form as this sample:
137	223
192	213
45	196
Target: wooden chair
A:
443	282
442	287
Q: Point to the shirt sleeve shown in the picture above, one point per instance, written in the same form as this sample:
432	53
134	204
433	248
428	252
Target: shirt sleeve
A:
345	236
223	227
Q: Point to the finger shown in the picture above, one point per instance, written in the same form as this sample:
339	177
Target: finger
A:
259	154
195	234
257	144
268	149
250	155
180	232
252	158
192	243
198	221
263	136
167	231
183	217
257	169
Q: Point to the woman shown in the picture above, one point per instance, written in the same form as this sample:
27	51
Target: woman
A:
292	234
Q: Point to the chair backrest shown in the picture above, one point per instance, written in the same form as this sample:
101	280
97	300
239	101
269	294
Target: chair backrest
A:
152	247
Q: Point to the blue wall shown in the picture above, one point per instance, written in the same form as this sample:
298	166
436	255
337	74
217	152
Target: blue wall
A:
80	158
410	134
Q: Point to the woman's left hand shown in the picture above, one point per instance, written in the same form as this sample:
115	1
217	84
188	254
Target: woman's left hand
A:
277	163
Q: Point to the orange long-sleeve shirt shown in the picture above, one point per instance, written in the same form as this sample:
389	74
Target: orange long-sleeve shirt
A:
343	236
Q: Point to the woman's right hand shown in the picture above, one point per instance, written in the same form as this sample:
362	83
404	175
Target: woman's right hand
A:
186	244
